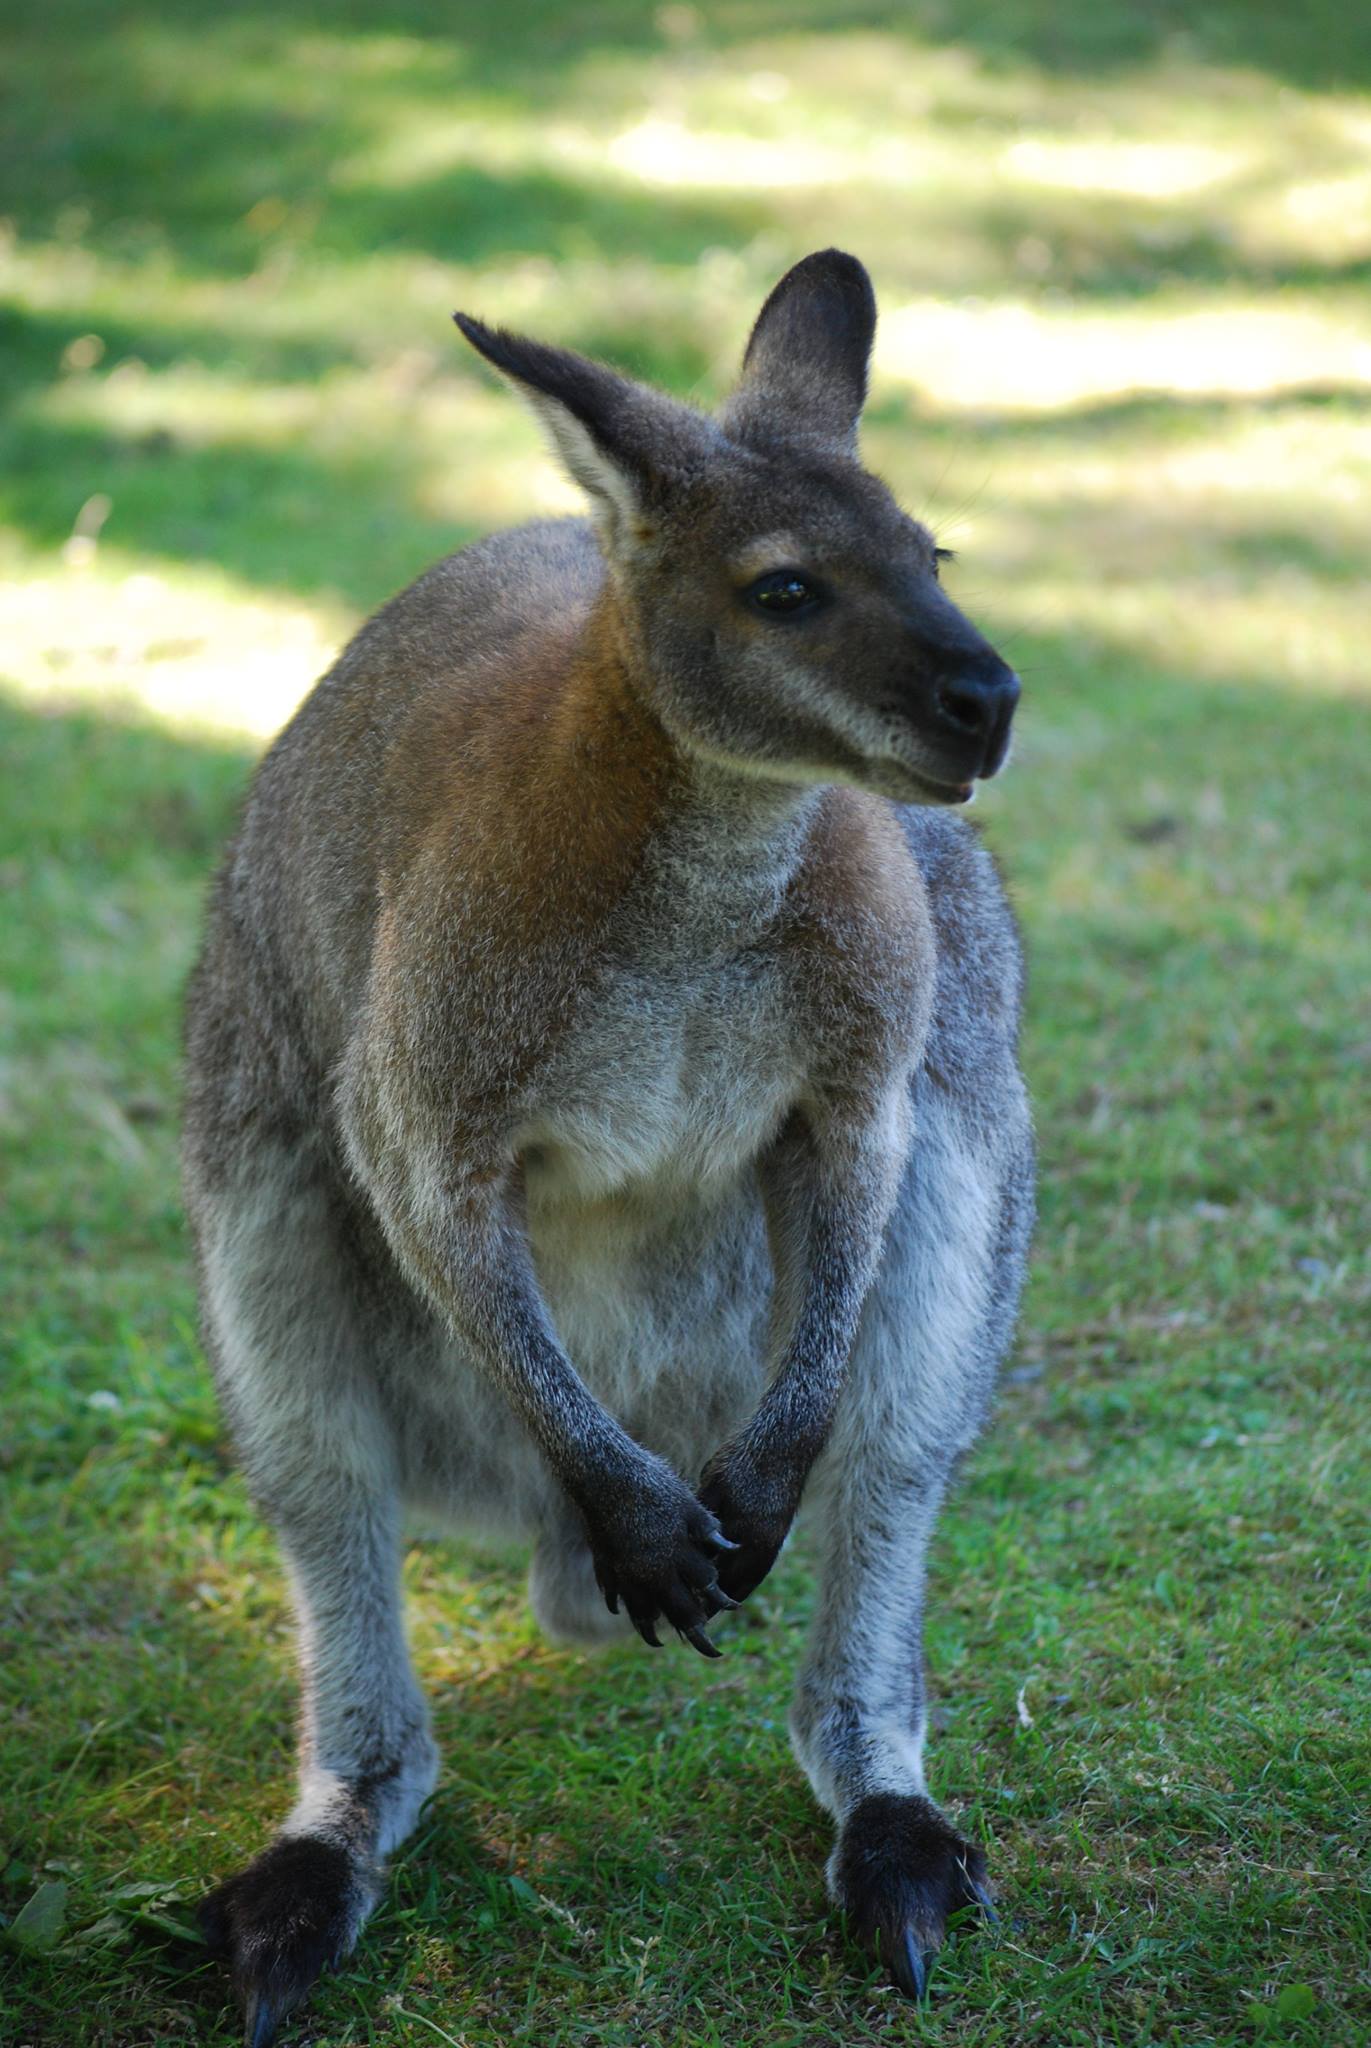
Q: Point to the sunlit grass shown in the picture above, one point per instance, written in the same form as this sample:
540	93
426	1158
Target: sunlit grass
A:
199	651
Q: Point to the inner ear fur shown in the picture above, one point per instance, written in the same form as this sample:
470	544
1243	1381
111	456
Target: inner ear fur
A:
623	443
805	367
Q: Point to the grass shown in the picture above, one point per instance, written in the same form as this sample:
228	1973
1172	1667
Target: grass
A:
1124	368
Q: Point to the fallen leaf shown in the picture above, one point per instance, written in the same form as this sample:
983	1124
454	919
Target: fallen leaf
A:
38	1924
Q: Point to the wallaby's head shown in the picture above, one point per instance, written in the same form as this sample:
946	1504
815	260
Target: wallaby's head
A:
786	615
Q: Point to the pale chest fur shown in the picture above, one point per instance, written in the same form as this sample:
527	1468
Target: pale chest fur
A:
675	1084
725	981
691	1045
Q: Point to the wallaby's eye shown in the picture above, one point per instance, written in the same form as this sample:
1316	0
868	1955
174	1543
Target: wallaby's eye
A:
782	593
941	555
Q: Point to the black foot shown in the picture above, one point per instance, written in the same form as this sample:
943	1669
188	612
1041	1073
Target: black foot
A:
292	1913
899	1874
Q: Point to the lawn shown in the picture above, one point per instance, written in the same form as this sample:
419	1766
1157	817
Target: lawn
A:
1125	370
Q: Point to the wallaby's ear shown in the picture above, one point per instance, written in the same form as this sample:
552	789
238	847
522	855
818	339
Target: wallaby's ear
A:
804	371
625	445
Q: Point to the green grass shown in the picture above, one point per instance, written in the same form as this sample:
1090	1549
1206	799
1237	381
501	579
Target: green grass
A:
1122	252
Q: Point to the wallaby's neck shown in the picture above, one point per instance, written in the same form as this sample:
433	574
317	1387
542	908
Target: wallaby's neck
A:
618	761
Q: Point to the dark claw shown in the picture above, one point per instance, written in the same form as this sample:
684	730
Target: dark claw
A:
721	1542
261	2024
909	1967
722	1602
607	1584
648	1633
697	1638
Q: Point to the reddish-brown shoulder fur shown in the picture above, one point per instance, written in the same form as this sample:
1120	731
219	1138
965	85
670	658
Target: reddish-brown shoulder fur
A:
861	924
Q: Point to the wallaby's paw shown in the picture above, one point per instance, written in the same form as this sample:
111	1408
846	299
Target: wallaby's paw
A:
899	1872
657	1551
757	1517
291	1914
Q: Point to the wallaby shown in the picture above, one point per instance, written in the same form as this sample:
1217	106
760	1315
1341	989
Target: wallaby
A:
603	1119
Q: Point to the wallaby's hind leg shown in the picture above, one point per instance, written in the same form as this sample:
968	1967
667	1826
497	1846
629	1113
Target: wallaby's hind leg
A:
933	1330
288	1330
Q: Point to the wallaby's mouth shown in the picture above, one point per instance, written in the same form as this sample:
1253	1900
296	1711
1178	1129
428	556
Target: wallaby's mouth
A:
928	789
948	792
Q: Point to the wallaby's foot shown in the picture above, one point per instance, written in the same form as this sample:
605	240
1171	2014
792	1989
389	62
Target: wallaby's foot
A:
294	1912
899	1872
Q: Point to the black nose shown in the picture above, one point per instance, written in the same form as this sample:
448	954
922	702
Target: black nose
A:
979	704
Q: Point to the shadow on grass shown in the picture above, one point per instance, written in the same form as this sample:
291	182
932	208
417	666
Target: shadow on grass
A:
211	138
208	137
107	794
293	516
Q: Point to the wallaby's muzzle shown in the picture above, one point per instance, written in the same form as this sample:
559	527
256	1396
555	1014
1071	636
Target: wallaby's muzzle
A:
979	705
962	705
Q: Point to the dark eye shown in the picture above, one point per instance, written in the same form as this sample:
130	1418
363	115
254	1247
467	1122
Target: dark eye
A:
782	593
941	555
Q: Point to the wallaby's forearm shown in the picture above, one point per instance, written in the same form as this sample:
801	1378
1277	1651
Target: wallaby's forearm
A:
829	1185
473	1263
460	1238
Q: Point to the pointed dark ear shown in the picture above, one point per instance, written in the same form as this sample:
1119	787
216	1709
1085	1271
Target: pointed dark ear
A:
625	445
804	372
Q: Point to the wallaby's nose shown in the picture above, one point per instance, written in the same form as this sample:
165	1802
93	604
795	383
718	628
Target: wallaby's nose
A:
979	704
